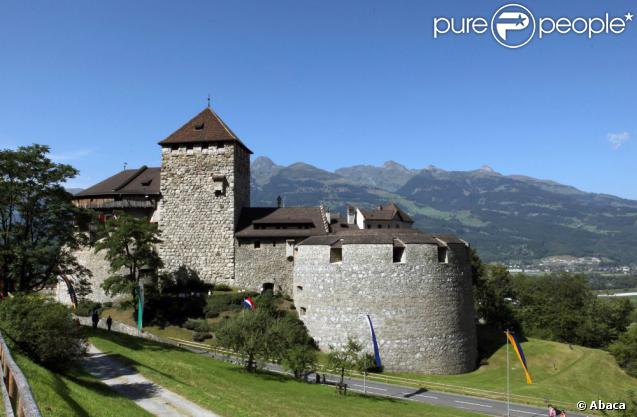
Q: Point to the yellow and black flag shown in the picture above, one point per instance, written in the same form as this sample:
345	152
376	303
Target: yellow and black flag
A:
520	353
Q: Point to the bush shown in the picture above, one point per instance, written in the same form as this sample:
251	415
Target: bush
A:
219	303
201	337
86	307
199	326
222	287
44	330
161	310
625	350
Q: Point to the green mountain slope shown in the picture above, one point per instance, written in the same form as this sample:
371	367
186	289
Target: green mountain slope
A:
505	217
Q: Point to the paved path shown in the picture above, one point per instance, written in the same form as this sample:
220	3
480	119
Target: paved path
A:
130	384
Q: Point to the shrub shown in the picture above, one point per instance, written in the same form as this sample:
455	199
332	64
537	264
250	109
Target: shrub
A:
44	330
199	326
86	307
222	288
200	337
219	303
625	350
161	310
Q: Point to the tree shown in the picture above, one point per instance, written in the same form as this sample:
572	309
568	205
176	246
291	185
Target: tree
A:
129	244
248	334
268	334
38	221
348	357
494	293
625	351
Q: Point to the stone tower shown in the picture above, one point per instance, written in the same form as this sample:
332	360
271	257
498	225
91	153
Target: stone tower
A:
205	182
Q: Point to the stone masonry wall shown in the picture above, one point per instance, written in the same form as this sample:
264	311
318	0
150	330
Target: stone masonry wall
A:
99	267
422	310
267	264
198	225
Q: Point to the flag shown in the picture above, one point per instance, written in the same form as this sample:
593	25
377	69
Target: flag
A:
374	341
140	306
248	304
518	350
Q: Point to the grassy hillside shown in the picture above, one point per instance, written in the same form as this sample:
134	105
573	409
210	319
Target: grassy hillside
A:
75	393
559	373
230	391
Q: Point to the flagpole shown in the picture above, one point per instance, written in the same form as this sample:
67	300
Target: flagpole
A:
508	386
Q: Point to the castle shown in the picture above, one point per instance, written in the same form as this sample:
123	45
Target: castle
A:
417	287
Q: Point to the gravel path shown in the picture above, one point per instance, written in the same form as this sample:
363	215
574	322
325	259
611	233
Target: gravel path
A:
130	384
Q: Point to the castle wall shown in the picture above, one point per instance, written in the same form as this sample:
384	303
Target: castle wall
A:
99	267
422	310
266	264
197	221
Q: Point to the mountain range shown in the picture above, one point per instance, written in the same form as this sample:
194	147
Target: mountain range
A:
507	218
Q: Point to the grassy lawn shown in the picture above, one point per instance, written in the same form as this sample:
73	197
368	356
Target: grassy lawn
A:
230	391
559	373
75	393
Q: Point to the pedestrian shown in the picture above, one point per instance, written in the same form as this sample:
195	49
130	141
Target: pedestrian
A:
563	413
109	322
552	411
95	318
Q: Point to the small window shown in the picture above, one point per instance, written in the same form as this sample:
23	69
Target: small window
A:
257	244
379	226
273	243
303	310
399	254
199	126
336	255
442	255
299	287
369	226
219	145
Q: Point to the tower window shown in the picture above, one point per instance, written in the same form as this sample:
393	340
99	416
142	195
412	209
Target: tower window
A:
443	257
336	255
257	244
399	254
303	310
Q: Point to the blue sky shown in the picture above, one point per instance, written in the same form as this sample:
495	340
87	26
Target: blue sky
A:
331	83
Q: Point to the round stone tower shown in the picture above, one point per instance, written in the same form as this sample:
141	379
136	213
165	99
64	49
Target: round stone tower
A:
417	289
205	182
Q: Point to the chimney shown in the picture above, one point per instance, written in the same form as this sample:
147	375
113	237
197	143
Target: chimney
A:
279	202
328	216
351	215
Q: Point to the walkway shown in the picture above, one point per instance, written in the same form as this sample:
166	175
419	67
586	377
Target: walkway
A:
130	384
